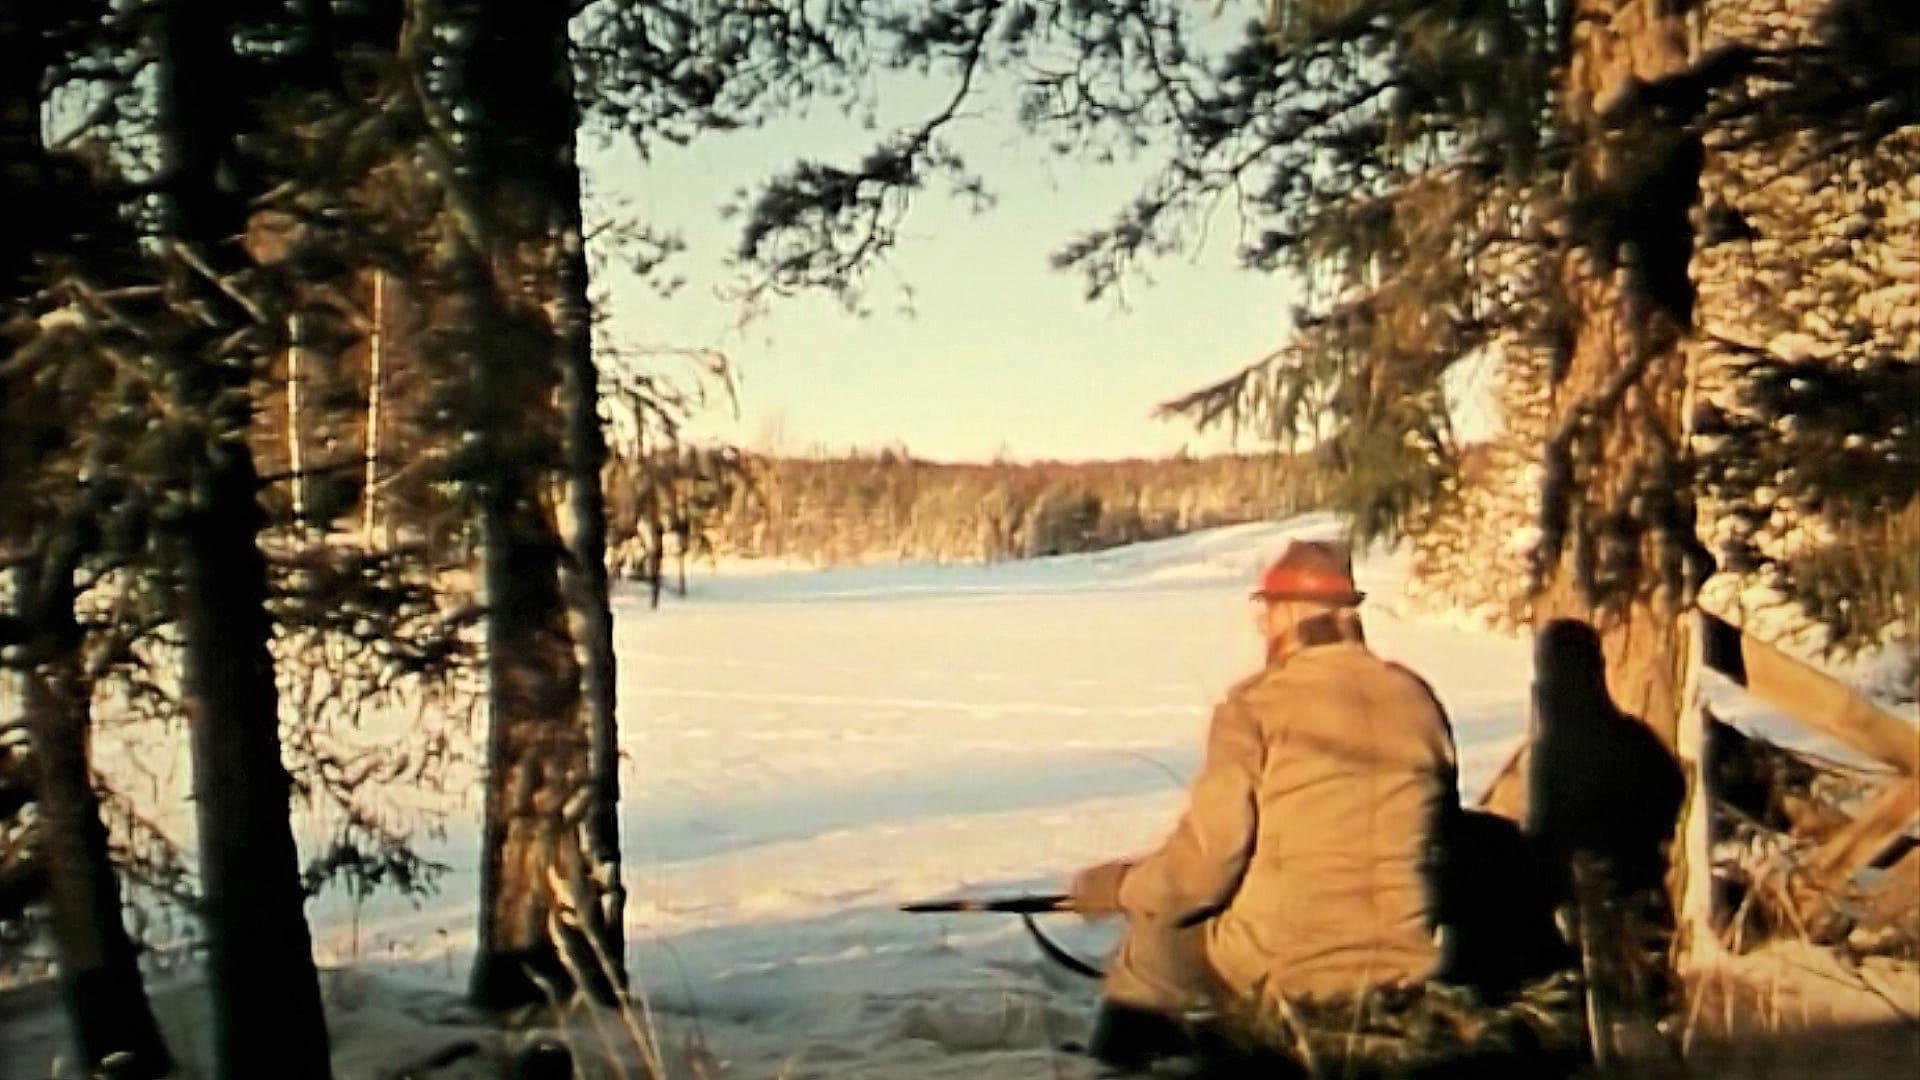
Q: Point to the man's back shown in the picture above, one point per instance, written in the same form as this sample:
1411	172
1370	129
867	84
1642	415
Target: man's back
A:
1356	769
1305	862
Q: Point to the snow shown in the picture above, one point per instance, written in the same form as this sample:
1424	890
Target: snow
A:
805	750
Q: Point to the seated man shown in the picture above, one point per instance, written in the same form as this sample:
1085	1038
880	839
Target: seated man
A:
1304	864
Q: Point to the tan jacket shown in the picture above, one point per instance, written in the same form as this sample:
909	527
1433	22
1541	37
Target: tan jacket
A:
1311	828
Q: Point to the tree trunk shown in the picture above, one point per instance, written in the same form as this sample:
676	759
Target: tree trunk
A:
538	754
268	1019
1620	550
101	989
267	1014
553	786
583	575
100	984
1618	457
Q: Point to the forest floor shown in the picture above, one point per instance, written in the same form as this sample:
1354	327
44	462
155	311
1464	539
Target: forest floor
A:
805	750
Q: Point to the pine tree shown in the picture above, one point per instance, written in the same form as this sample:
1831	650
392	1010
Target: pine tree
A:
101	985
161	356
511	325
1439	179
267	1016
509	90
1808	347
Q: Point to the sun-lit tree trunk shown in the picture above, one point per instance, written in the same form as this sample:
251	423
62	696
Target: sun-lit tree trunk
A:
1618	500
533	863
551	895
583	575
537	754
267	1012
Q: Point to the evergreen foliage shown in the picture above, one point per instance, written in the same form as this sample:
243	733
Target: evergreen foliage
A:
889	505
299	343
1683	230
1808	431
1442	180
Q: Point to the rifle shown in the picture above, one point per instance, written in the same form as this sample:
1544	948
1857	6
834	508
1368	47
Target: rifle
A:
1024	906
1033	904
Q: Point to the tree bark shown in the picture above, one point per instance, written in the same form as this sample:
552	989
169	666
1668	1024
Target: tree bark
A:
268	1019
100	985
1614	444
583	576
551	894
537	793
1620	548
267	1014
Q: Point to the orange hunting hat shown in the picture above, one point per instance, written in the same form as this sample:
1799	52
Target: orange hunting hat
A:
1311	570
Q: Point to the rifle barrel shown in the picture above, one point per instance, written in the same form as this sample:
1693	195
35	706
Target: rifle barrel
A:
1011	905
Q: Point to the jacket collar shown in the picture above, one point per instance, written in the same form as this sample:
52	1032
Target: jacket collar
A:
1330	628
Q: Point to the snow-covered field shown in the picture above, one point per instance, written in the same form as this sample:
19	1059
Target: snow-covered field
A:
807	749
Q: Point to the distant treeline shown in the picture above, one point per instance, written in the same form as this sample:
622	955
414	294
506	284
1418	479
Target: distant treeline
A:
890	506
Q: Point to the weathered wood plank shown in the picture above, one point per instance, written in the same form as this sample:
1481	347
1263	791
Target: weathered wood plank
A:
1813	698
1868	835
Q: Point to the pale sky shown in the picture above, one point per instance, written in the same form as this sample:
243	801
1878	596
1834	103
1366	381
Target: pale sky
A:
1002	354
